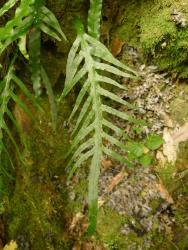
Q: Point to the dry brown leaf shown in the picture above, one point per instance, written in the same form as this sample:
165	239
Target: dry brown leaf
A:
164	193
116	180
116	46
106	164
11	246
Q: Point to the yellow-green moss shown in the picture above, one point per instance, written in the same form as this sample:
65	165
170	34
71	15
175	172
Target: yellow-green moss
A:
149	25
36	208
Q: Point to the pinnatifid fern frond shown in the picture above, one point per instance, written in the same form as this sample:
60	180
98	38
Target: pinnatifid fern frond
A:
29	14
31	18
7	92
88	62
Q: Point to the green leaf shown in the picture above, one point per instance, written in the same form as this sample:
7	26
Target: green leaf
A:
146	160
88	144
75	80
22	105
135	148
82	158
79	99
83	132
22	11
83	112
99	50
71	57
114	97
119	114
49	31
110	81
117	130
154	142
116	156
114	141
74	67
8	5
51	21
16	33
113	70
22	46
51	97
26	92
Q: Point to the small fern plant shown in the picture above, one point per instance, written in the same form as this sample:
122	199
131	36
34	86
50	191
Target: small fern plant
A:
88	63
31	18
8	89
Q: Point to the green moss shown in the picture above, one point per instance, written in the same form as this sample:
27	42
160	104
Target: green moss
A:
36	208
128	31
161	39
149	25
167	174
109	232
109	225
179	111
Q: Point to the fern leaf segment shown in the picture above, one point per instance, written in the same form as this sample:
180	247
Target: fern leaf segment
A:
7	6
51	97
114	97
83	112
83	132
94	18
79	99
88	120
110	81
117	130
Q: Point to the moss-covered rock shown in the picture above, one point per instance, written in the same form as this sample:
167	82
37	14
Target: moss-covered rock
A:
156	28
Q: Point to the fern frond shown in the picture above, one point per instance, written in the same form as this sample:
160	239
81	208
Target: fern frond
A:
84	64
29	14
9	83
49	21
17	26
31	17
